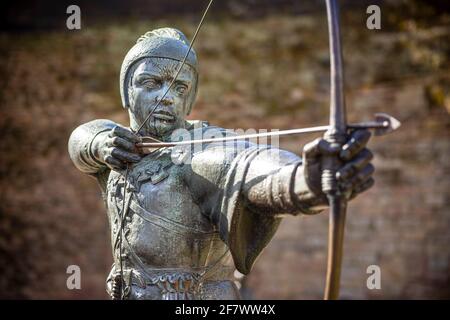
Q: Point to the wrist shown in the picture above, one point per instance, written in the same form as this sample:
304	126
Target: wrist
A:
310	197
97	144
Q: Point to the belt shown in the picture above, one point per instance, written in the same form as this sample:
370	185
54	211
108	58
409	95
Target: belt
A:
179	285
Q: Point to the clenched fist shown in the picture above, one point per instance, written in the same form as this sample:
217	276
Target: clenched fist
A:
117	147
355	174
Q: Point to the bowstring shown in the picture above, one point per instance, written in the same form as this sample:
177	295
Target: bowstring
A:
183	62
122	219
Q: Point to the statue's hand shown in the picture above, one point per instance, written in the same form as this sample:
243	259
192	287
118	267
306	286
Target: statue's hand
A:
355	174
117	147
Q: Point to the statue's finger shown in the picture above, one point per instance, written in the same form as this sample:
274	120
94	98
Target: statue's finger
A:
318	147
363	175
114	163
351	168
124	133
363	186
311	150
356	143
123	144
125	156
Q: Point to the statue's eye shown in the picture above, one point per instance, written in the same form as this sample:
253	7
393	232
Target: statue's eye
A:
181	88
151	83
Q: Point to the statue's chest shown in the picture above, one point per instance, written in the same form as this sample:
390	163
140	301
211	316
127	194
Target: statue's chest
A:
157	185
162	225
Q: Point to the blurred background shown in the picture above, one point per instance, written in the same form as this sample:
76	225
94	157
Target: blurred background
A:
263	64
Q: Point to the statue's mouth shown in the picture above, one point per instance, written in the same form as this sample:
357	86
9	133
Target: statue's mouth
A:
164	116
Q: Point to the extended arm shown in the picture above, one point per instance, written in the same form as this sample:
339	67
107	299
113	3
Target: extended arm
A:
283	183
276	184
277	181
273	184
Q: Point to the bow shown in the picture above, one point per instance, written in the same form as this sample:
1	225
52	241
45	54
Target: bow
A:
336	136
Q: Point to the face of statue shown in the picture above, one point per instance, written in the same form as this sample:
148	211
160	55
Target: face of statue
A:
150	81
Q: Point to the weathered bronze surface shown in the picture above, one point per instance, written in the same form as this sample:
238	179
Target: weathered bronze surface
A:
181	227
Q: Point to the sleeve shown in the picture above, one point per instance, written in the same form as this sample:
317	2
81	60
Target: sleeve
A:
275	184
80	145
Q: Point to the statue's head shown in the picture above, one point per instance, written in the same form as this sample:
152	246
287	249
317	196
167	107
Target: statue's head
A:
147	71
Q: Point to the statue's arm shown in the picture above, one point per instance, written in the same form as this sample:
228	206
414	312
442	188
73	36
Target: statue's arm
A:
276	184
83	145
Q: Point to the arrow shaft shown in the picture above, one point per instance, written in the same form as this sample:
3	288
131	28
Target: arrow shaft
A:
234	138
365	125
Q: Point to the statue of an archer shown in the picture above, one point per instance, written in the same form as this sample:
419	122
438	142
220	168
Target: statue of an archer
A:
179	230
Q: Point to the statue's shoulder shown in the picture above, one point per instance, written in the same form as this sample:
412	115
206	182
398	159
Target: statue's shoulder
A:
211	158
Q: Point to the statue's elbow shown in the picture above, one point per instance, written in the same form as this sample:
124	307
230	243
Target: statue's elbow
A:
78	148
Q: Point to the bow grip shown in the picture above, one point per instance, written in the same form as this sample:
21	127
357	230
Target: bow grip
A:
331	162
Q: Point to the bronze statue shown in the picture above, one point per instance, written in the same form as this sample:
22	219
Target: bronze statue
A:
181	227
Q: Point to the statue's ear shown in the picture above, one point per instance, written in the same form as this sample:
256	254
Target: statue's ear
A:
191	104
126	103
127	91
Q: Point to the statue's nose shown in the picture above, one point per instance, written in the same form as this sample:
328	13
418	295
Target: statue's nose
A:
167	100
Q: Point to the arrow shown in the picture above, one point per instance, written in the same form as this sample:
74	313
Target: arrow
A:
382	124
